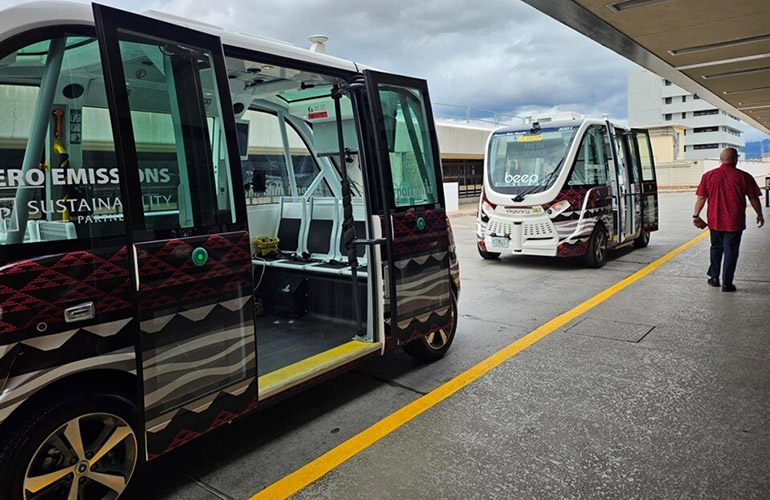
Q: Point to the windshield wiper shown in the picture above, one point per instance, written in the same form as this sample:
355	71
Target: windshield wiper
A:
541	187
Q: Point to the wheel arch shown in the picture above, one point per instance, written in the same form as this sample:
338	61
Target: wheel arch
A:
92	381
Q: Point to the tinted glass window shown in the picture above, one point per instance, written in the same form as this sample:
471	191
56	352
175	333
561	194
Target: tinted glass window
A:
58	172
645	156
306	169
175	112
409	146
591	168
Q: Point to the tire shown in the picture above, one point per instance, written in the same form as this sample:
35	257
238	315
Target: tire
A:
100	467
434	346
487	255
643	240
596	256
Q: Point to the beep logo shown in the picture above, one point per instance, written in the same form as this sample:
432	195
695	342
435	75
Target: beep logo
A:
8	217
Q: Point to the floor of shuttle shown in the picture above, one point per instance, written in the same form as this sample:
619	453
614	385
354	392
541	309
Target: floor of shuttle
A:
282	341
677	408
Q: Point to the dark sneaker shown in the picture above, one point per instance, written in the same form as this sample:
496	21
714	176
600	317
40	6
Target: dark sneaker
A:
713	281
729	288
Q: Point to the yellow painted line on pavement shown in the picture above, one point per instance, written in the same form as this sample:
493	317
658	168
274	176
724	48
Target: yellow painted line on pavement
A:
316	469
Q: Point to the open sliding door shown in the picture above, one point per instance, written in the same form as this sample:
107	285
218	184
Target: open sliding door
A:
417	274
649	180
170	108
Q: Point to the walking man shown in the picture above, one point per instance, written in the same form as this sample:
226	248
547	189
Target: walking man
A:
726	189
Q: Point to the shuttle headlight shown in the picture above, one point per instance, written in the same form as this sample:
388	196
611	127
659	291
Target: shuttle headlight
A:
487	207
557	208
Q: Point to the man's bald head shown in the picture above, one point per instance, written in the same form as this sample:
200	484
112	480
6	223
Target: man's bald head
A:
729	155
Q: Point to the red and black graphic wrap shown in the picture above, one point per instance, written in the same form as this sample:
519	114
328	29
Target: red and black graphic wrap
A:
36	292
421	272
197	335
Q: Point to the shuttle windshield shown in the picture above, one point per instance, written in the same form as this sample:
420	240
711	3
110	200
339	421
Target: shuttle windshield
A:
523	160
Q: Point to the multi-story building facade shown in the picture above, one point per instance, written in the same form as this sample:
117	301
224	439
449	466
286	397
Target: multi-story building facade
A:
655	102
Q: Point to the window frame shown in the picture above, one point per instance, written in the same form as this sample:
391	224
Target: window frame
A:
118	100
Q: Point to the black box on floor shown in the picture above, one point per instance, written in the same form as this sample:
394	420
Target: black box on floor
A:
290	296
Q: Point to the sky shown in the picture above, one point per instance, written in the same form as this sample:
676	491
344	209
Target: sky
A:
500	55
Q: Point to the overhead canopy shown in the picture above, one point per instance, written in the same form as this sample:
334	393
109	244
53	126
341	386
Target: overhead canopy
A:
718	50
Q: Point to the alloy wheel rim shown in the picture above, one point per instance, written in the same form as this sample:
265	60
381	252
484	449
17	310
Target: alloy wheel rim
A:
438	339
91	457
601	247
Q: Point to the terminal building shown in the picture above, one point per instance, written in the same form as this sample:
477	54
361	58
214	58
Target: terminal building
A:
657	104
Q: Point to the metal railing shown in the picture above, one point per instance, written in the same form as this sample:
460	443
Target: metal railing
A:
470	114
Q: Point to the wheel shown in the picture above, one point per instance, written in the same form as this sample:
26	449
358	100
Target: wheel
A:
434	345
487	255
643	240
596	256
83	447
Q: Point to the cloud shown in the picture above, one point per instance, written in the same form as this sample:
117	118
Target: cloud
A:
501	55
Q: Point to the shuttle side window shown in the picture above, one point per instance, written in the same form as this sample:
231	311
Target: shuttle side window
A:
175	110
265	173
590	167
645	155
633	163
409	146
305	167
58	170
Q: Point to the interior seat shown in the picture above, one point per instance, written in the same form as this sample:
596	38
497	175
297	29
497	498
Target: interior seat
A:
56	230
338	264
291	231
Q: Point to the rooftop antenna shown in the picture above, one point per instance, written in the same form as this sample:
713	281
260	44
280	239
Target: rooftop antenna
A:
318	42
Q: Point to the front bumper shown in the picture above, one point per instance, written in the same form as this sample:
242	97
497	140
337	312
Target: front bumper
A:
520	234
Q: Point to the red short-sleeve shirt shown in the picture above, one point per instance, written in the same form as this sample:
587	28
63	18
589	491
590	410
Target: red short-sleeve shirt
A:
726	189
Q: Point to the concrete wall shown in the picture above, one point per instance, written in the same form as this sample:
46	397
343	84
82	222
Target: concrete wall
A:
644	98
667	143
458	141
688	173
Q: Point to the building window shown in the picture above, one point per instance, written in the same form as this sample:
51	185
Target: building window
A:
684	115
706	146
706	112
668	117
667	83
695	97
684	98
700	130
668	100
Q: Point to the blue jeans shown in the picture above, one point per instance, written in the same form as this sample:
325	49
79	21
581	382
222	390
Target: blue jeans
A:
727	244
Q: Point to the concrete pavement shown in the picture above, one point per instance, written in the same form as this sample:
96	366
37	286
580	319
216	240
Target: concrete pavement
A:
661	391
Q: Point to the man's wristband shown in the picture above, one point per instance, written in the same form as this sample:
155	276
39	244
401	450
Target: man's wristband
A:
696	216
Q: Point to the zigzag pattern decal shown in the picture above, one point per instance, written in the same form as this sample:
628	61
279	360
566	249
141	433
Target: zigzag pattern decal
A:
36	291
186	425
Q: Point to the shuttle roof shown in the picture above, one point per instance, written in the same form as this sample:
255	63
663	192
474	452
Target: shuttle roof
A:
29	16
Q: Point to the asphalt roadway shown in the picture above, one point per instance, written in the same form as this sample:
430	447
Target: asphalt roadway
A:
662	390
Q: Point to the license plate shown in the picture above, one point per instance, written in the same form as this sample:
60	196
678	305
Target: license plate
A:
524	211
500	242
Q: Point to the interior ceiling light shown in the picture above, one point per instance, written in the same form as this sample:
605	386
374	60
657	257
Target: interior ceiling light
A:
633	4
719	45
724	61
743	91
739	72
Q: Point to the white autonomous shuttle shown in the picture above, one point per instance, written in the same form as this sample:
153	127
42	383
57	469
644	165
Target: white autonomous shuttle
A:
193	224
572	188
